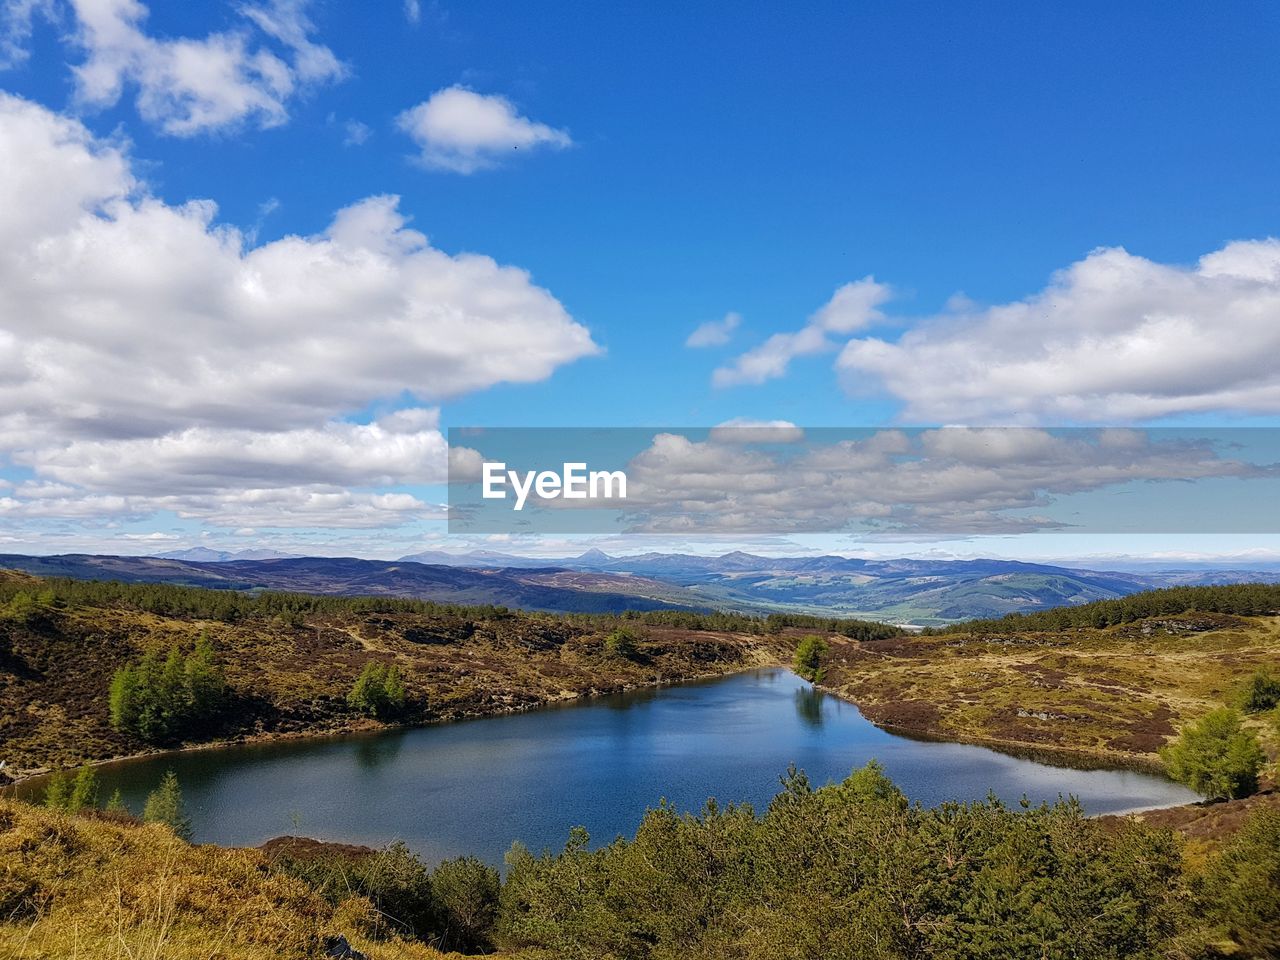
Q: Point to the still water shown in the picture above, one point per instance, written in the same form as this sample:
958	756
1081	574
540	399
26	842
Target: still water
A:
475	786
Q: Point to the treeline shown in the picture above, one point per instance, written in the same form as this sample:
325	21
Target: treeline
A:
850	870
1243	599
204	603
20	599
729	622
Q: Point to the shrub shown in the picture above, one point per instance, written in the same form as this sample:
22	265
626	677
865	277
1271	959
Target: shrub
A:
84	790
378	691
466	892
1261	692
621	644
1243	886
808	658
57	792
395	881
852	870
1216	756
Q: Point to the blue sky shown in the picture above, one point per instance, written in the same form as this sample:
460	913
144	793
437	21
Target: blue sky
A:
653	170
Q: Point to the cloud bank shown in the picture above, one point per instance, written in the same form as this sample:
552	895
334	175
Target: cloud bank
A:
1113	337
152	358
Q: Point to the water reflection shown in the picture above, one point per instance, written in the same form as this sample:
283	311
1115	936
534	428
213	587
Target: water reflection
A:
375	751
809	705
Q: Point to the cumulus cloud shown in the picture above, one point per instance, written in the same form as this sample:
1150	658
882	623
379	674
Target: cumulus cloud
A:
151	358
1114	337
714	333
462	131
186	86
852	307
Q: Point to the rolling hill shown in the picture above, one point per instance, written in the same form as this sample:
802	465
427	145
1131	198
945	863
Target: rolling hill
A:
904	591
348	576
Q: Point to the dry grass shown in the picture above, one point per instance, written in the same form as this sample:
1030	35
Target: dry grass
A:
76	888
1117	693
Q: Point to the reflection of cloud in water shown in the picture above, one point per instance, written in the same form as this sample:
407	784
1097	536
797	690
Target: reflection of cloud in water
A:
809	705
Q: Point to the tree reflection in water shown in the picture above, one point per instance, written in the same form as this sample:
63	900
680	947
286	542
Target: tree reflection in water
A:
809	705
375	751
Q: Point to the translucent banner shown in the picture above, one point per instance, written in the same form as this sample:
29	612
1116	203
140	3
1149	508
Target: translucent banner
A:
916	482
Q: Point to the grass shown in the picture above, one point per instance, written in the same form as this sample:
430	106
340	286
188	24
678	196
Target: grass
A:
81	888
1115	694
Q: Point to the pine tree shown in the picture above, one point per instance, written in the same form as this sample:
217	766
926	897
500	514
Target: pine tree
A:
206	684
57	792
393	694
164	805
84	791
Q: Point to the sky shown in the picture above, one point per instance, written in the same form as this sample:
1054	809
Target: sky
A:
257	257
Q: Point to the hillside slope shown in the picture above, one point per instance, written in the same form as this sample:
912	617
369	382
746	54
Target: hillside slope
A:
80	887
1117	692
292	659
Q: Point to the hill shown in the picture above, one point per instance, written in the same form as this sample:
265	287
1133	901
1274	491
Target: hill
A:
291	658
349	576
1115	678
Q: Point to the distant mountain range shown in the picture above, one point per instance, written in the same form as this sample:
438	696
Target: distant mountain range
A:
205	555
550	590
899	591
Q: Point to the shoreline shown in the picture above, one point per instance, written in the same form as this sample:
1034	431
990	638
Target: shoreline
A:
1048	755
11	780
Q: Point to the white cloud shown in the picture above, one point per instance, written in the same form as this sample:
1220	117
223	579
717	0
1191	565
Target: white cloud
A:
210	459
412	10
153	359
355	133
185	85
852	307
714	333
462	131
17	17
1113	337
747	430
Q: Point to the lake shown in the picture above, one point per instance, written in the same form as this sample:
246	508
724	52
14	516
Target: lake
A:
475	786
